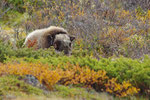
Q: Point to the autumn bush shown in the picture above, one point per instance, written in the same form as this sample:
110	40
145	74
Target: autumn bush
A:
70	75
121	90
41	72
136	71
83	75
99	80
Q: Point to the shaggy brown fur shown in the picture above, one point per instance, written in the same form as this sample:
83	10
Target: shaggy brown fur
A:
50	37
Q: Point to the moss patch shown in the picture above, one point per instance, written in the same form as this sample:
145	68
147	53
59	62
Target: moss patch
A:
12	85
79	93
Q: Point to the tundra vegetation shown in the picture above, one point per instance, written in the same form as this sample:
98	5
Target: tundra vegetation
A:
110	56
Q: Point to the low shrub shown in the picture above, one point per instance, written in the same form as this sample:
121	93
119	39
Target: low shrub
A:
124	69
121	90
5	51
135	70
10	84
84	76
80	93
41	72
70	75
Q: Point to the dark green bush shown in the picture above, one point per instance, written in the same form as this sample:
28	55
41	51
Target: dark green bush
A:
20	43
15	5
5	50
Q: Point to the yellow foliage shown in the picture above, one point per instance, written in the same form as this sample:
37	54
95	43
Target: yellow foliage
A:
40	71
124	14
83	76
143	18
148	14
120	90
70	74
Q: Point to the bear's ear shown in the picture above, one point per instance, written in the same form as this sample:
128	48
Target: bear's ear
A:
72	38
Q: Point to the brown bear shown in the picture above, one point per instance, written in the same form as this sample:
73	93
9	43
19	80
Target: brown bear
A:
51	36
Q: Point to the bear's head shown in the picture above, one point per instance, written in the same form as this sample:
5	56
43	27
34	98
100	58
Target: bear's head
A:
63	42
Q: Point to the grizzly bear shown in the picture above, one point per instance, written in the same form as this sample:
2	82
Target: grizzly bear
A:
51	36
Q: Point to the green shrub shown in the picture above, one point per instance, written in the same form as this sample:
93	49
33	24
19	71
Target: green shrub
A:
76	92
5	50
12	84
135	70
124	69
20	43
16	5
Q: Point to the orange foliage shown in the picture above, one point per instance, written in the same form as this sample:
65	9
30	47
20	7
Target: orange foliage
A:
120	90
83	75
32	43
40	71
71	74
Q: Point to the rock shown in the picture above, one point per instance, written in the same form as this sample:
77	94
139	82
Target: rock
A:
32	80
